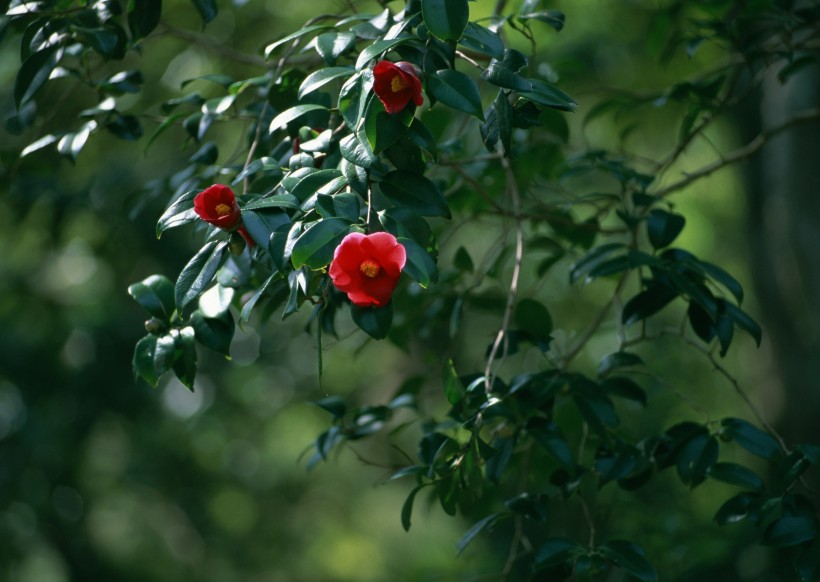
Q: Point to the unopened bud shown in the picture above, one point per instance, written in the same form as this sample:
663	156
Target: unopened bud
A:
155	326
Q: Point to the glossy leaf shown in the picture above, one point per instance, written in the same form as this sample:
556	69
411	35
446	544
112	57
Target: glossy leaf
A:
414	192
554	551
751	438
549	436
207	9
185	359
446	19
663	227
647	303
315	247
420	265
142	362
197	275
476	529
318	79
143	17
34	72
482	40
618	361
456	90
629	557
295	112
533	317
548	95
155	294
735	474
214	333
374	321
790	531
407	507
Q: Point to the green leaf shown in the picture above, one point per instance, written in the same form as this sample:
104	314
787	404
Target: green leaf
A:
245	315
618	361
735	474
532	317
476	529
724	278
549	436
357	151
482	40
374	321
71	144
647	303
125	127
143	17
548	95
39	144
790	531
407	507
663	227
179	213
332	45
445	19
629	557
315	247
318	79
504	72
215	333
143	360
624	388
299	33
281	120
420	265
185	359
553	552
453	388
414	192
555	18
593	258
155	294
699	454
207	10
751	438
276	201
456	90
377	48
122	82
197	275
34	72
334	405
164	353
744	322
736	509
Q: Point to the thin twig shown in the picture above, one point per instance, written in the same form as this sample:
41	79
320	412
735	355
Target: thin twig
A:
512	188
252	150
741	153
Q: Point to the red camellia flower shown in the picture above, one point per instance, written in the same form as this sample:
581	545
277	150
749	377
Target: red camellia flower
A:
217	205
395	84
367	267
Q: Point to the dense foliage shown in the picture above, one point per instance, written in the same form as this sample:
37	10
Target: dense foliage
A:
374	135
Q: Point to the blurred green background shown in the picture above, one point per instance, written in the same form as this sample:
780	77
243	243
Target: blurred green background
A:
104	478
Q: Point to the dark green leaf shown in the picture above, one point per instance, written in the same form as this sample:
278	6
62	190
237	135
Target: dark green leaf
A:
334	405
374	321
555	551
482	40
377	48
445	19
407	507
548	95
215	333
533	317
477	528
736	509
143	360
122	82
332	45
320	78
456	90
790	531
751	438
315	247
647	303
414	192
293	113
618	361
504	72
207	9
420	265
179	213
453	388
629	557
125	127
185	362
744	322
299	33
554	18
549	436
696	458
625	388
275	201
143	17
155	294
197	275
261	224
357	151
663	227
735	474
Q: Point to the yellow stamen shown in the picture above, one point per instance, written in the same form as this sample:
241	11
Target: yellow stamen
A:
222	209
398	84
369	269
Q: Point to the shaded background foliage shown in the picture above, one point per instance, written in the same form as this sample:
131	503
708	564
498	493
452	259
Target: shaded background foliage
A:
103	478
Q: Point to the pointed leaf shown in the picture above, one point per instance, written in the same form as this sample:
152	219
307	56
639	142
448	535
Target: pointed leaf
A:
456	90
197	275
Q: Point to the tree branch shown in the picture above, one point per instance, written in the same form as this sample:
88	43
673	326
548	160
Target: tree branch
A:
741	153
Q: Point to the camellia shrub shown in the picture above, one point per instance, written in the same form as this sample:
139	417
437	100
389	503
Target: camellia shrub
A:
376	134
